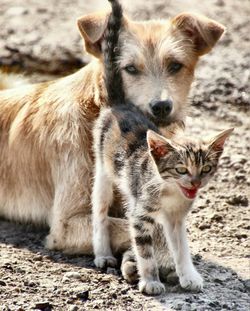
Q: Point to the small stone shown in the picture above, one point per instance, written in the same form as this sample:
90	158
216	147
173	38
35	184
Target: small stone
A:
238	200
220	3
193	307
204	226
213	304
83	295
219	281
240	176
241	236
216	218
29	283
237	166
44	306
70	300
197	257
114	295
178	305
124	291
247	284
238	159
71	275
73	308
38	258
17	10
201	206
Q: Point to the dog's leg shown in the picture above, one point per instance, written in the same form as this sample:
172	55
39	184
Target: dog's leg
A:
71	221
72	232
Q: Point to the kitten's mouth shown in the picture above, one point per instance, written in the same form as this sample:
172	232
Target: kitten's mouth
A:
190	193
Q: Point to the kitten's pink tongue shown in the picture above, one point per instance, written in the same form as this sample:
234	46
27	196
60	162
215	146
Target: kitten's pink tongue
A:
189	193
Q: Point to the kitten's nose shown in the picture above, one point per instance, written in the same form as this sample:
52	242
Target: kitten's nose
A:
196	183
161	109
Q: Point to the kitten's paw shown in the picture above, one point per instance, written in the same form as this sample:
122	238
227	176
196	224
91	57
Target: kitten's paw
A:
129	272
105	261
151	287
191	280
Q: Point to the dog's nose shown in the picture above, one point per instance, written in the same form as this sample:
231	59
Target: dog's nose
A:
161	108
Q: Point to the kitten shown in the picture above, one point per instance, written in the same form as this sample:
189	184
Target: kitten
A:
158	177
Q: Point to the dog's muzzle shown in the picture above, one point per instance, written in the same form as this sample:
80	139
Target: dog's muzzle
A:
161	109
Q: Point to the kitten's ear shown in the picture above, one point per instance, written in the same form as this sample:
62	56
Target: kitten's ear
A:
203	32
217	142
158	145
92	28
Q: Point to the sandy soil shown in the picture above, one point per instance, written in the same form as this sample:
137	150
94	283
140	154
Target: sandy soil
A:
34	278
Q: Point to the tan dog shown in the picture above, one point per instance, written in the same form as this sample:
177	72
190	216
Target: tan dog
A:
45	129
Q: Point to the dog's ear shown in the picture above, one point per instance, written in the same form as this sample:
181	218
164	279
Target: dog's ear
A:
203	32
92	28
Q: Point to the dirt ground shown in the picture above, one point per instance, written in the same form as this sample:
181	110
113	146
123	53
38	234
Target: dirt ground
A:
32	277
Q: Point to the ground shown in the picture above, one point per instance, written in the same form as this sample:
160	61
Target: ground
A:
43	37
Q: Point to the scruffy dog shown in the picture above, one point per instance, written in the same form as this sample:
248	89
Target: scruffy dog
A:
45	129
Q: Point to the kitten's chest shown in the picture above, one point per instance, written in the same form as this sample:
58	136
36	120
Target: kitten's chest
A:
173	202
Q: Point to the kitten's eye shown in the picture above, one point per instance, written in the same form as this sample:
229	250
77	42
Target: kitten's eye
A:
181	170
206	169
131	69
174	67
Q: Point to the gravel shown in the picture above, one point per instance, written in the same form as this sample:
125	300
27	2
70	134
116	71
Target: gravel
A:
42	37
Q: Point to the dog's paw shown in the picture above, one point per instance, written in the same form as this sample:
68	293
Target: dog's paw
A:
105	261
129	271
51	242
191	280
152	288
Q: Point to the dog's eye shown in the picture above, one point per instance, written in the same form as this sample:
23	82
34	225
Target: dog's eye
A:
206	169
174	67
181	170
131	69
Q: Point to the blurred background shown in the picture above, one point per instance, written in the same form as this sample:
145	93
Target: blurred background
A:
42	37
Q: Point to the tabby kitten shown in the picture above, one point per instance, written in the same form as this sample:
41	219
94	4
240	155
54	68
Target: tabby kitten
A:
158	177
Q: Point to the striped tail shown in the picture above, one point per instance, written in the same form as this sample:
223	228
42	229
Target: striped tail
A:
113	77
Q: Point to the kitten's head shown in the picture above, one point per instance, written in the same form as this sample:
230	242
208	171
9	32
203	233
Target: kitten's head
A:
187	162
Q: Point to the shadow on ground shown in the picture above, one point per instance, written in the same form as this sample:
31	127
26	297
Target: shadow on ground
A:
31	277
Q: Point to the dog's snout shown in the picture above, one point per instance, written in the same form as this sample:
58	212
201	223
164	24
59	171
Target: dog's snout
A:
161	108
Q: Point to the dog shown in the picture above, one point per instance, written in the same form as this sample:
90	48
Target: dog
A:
46	157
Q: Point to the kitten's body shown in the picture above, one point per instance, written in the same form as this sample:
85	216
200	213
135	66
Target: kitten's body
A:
158	177
150	188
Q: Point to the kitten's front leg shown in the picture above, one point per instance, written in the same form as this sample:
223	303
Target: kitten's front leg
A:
102	197
178	244
142	237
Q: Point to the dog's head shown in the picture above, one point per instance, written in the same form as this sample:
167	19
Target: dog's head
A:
157	59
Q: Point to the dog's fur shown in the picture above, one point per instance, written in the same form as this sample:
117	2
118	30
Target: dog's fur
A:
45	129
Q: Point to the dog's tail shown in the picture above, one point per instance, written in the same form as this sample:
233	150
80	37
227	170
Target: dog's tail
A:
113	77
10	80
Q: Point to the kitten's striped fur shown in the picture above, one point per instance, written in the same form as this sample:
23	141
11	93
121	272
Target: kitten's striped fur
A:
158	177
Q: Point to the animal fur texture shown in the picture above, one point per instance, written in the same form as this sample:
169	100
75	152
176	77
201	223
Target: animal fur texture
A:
46	158
158	177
